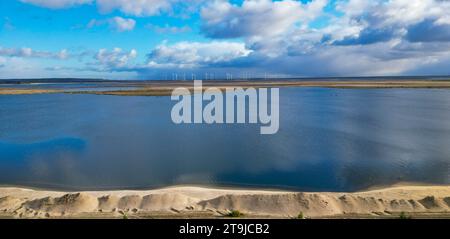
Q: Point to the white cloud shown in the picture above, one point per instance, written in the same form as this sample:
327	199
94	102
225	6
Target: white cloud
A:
256	18
267	27
123	24
119	24
130	7
57	4
27	52
283	33
106	60
368	15
117	58
194	54
412	11
136	7
222	19
360	37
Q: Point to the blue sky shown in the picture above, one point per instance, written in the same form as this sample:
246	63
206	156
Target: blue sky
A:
155	39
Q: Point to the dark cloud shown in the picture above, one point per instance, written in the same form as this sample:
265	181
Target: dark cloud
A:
429	31
368	36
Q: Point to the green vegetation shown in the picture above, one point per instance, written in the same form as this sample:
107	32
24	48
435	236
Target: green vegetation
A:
300	216
403	215
235	213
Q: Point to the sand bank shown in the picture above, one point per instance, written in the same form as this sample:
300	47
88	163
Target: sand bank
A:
187	202
157	88
13	91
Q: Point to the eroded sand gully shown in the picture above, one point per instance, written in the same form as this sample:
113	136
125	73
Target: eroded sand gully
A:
208	202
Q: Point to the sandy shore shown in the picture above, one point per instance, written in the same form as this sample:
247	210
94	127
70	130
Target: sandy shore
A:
197	202
165	88
13	91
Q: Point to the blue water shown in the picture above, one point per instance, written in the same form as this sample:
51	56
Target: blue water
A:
329	140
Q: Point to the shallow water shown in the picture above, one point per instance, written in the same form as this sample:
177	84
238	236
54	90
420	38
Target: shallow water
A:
329	140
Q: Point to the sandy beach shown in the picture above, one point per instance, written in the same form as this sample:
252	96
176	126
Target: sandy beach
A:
198	202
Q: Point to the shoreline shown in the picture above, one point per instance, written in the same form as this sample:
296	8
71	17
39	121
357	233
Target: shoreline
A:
166	88
209	202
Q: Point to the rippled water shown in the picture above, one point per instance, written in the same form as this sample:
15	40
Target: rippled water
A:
329	139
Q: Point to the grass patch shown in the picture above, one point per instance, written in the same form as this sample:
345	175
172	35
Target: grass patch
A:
403	215
235	213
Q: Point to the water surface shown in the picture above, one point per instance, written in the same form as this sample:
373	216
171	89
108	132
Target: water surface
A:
329	140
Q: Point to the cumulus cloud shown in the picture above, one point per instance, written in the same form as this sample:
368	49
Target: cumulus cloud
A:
123	24
57	4
378	21
116	58
130	7
195	54
185	56
105	60
368	36
27	52
119	24
287	37
365	38
254	18
137	8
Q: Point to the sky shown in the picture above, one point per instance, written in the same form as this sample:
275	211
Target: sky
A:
205	39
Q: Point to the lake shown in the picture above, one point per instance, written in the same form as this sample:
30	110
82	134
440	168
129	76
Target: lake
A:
328	140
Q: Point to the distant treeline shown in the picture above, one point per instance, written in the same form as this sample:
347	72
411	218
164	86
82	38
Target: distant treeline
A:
89	80
50	80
